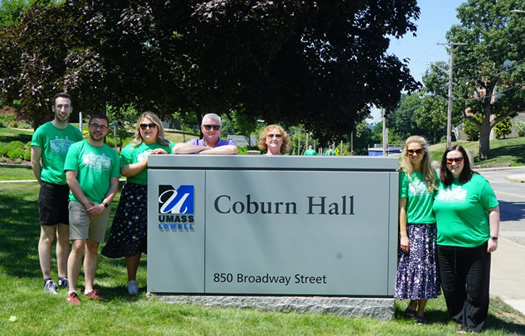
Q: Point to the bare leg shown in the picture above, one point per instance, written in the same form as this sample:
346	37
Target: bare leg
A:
47	235
90	264
62	249
132	264
74	262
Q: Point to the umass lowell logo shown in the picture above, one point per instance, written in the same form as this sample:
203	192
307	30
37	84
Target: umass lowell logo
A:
176	208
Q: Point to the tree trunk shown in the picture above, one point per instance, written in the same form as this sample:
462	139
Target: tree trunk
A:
484	139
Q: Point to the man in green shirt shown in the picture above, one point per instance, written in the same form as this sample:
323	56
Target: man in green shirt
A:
49	146
310	151
92	171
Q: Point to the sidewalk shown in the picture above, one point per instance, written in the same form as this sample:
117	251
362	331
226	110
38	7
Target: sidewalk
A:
507	277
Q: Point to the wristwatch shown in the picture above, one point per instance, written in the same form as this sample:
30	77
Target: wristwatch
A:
106	206
494	238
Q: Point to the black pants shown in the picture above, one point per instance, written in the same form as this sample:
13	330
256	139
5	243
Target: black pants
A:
465	277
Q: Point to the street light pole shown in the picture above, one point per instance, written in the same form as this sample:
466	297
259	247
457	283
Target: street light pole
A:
449	108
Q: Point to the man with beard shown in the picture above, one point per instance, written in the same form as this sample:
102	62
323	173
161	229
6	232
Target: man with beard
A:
49	146
92	172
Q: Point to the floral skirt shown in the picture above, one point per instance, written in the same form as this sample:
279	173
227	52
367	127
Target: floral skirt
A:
128	234
417	272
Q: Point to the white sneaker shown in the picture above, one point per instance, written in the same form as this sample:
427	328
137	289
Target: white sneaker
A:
50	287
133	288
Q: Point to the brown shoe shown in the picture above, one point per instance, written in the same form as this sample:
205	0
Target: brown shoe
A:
94	295
72	298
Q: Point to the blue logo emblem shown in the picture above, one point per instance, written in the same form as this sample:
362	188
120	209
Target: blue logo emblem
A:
176	201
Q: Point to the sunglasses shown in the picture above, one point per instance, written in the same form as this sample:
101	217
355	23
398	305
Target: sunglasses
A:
417	151
100	127
146	126
209	127
270	136
457	160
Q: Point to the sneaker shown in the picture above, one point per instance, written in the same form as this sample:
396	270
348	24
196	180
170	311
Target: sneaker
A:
94	295
63	283
72	298
133	288
49	286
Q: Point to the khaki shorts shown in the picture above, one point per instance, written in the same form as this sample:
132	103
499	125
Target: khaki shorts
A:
83	226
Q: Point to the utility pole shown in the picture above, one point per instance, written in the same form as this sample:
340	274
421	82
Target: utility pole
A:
449	109
385	133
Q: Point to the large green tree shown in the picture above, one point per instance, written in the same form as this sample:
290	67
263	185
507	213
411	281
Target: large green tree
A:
489	71
322	64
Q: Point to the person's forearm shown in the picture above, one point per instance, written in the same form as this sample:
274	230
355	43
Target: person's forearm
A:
78	193
494	219
112	191
187	149
222	150
134	168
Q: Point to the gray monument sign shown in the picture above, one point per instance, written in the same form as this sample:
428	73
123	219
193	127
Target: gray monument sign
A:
287	226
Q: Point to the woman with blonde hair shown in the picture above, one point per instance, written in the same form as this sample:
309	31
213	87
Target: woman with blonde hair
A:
417	276
274	140
128	233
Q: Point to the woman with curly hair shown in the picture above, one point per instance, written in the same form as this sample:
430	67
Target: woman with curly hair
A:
274	140
417	276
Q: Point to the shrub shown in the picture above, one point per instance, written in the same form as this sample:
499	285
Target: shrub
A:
16	153
24	124
3	149
27	155
16	145
520	128
7	120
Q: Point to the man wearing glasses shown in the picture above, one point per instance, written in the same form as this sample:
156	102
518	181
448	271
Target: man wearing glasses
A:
49	146
211	143
92	171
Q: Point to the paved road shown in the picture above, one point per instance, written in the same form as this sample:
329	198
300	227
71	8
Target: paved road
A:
507	277
511	196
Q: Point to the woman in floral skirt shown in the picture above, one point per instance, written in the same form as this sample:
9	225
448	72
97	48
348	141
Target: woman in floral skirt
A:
128	233
417	276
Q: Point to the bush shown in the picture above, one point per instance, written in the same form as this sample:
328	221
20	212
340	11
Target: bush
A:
27	155
3	149
24	124
8	120
16	153
16	145
520	128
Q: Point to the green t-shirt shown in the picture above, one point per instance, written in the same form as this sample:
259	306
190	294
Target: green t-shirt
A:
95	166
419	199
130	155
55	143
329	153
461	212
310	152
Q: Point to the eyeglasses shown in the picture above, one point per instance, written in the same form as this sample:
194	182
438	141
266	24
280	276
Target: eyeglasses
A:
417	151
270	136
209	127
457	160
100	127
146	126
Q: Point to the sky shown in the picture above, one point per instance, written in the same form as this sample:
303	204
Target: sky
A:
436	18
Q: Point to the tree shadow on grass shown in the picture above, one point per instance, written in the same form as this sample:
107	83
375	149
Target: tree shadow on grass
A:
20	229
516	151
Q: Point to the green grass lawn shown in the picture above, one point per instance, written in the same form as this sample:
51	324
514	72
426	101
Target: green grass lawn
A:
39	313
502	151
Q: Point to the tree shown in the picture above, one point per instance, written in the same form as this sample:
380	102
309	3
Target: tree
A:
321	64
490	69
